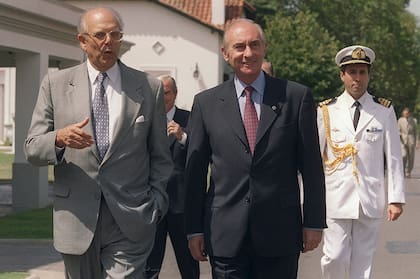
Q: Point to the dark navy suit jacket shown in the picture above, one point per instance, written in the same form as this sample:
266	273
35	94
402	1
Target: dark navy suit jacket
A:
176	184
256	194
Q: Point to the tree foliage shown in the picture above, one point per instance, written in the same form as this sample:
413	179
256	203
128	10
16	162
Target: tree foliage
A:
301	50
305	35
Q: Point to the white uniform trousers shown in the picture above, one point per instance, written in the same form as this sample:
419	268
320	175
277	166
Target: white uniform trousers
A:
349	247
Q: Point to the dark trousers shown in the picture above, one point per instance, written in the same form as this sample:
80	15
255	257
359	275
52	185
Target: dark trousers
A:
248	265
172	224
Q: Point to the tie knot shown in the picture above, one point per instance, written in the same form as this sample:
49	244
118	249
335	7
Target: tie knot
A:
248	90
101	77
356	104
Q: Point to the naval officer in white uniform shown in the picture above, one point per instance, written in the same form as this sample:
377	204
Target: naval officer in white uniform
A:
358	138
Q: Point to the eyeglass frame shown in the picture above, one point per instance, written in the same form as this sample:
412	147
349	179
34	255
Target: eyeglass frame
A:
105	34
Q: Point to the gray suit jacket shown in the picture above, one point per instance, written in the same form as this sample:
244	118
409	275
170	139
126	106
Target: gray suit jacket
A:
132	176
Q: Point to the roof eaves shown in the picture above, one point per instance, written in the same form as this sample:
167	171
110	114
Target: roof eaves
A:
218	28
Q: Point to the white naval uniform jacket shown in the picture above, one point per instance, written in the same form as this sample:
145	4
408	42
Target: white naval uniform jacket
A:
377	142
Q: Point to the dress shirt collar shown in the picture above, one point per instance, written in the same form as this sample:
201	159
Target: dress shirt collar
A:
258	85
170	114
112	72
349	101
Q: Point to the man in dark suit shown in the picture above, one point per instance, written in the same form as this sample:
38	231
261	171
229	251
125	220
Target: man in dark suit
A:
102	125
174	221
249	218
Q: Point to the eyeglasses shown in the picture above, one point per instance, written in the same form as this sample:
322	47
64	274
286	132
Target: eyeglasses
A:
101	36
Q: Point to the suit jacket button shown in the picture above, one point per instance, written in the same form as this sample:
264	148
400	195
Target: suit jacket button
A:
97	196
247	199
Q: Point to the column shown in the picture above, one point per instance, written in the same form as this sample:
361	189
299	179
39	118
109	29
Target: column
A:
29	183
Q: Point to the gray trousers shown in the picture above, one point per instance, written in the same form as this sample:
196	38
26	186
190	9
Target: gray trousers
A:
408	151
111	255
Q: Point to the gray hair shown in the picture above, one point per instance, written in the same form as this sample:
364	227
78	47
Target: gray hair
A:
171	81
82	28
231	24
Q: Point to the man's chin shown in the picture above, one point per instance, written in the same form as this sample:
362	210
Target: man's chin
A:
108	62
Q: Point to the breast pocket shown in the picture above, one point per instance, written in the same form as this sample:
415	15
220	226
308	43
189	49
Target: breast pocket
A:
337	137
141	129
372	138
61	191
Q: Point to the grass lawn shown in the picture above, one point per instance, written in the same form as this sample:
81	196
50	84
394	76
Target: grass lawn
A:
14	275
6	161
33	224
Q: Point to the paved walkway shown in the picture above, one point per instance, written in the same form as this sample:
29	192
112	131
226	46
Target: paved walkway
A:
398	254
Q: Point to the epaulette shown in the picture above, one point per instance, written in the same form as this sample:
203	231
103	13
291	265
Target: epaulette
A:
328	102
385	102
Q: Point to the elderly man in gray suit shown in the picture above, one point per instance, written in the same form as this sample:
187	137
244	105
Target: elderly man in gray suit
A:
103	126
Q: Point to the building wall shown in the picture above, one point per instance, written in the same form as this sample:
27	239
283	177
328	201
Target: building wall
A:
167	42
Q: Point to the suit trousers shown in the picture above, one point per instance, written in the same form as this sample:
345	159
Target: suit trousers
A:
248	265
408	151
174	225
349	247
110	255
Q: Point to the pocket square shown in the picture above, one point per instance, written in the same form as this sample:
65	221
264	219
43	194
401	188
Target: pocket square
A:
140	119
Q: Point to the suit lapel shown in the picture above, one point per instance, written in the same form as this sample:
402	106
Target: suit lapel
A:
346	117
229	106
366	115
81	100
272	105
172	138
130	107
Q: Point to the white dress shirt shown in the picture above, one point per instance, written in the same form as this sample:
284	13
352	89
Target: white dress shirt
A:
112	86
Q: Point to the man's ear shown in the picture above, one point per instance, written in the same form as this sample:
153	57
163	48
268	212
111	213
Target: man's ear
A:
225	54
82	41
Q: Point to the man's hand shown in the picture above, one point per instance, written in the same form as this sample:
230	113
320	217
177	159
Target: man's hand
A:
311	239
73	136
394	211
196	246
175	129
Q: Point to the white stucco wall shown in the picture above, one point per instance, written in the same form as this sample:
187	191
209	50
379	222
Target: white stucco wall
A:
185	43
26	27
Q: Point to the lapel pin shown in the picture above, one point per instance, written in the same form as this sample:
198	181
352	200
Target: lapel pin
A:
277	107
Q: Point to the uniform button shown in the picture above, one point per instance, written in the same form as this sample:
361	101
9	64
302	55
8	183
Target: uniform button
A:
247	199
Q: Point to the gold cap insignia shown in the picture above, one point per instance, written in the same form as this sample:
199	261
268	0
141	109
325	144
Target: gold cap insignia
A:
358	53
355	55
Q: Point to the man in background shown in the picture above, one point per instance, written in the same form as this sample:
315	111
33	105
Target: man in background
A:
407	126
267	67
174	221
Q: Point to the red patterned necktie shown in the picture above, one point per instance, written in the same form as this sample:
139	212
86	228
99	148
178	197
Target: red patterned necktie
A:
250	119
